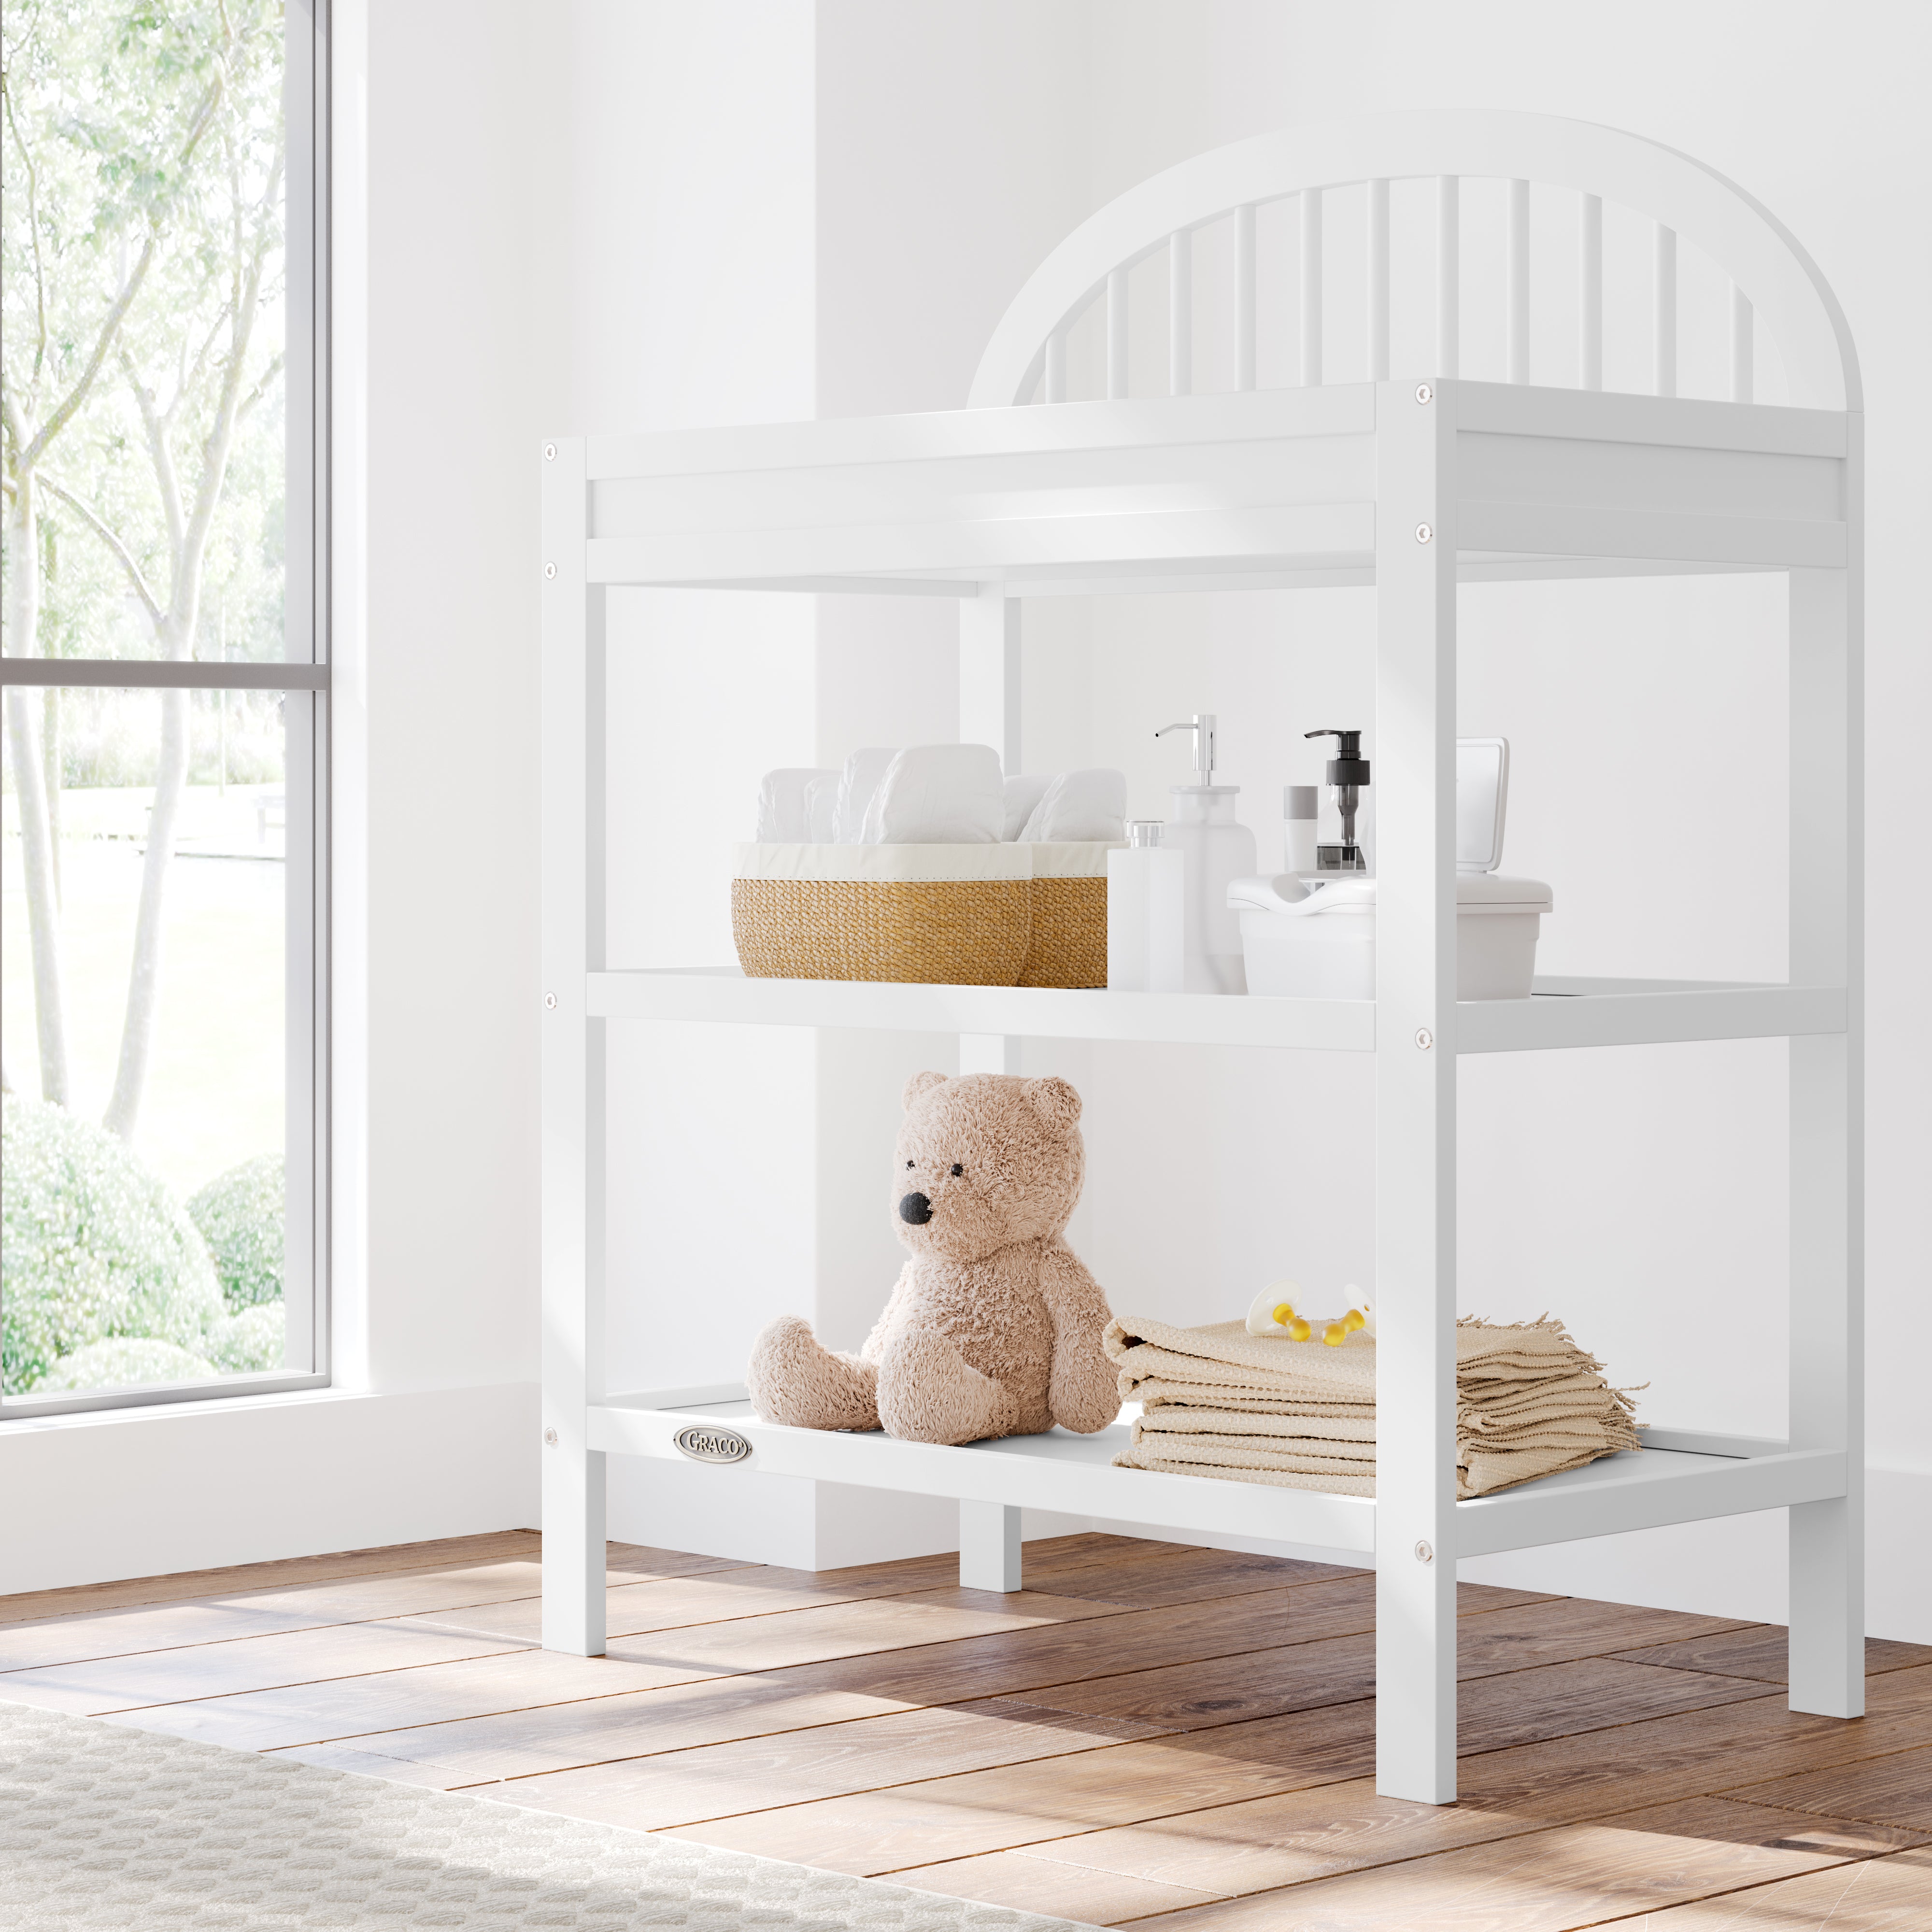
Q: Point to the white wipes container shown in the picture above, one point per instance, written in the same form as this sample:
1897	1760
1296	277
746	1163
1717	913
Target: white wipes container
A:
1314	938
1310	941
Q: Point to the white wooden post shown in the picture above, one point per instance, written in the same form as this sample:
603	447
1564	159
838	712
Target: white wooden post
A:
989	714
1448	273
1415	1094
572	1063
1590	295
1519	281
1663	309
1180	312
1311	288
1244	296
1377	242
1827	1352
1055	390
1744	347
1117	334
989	1546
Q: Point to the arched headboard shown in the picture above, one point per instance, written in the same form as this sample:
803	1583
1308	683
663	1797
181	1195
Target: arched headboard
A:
1771	276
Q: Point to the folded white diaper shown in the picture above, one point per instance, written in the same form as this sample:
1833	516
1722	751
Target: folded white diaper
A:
1024	791
1086	805
785	816
821	809
938	795
856	784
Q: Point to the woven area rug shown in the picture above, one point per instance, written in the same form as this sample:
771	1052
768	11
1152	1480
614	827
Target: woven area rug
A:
101	1826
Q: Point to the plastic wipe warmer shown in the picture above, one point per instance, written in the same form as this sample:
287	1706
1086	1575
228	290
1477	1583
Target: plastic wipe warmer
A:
1322	945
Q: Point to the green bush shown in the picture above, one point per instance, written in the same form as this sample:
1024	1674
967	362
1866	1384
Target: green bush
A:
246	1343
128	1361
242	1215
92	1247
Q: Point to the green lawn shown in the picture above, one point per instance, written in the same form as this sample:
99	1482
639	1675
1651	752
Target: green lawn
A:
217	1079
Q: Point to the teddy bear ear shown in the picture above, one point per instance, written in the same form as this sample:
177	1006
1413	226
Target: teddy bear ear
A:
1056	1102
917	1088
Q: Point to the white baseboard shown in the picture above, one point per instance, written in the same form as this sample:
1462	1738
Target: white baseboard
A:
152	1492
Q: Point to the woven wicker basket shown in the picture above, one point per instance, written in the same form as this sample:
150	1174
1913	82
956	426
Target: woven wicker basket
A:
955	915
1069	930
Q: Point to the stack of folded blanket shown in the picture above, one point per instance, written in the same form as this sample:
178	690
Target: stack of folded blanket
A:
1301	1415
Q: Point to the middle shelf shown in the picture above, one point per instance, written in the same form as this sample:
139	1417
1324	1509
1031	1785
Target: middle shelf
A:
1562	1013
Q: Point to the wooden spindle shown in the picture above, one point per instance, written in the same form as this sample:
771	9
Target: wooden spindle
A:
1519	281
1744	347
1379	281
1056	367
1590	265
1244	297
1664	311
1180	312
1117	334
1311	288
1448	274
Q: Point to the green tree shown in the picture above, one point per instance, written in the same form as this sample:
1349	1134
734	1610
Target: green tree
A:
142	250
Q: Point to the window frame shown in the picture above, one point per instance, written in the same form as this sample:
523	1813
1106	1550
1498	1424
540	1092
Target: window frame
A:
303	677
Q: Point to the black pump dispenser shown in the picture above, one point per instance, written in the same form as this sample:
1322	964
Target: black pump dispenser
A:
1348	774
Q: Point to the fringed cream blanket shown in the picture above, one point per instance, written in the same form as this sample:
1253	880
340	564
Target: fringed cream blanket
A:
1219	1401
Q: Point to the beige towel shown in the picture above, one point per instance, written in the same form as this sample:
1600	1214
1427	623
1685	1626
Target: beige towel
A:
1333	1484
1219	1401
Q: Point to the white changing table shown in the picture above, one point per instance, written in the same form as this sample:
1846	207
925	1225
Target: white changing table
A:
1413	485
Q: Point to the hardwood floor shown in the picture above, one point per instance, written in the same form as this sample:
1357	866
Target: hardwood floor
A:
1148	1733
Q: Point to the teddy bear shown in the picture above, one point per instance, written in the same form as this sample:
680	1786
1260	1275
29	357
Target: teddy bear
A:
994	1327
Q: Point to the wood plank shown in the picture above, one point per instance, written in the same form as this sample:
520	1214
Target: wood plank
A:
525	1681
30	1605
529	1737
332	1709
632	1609
1559	1780
1550	1880
1286	1838
977	1812
1560	1629
1176	1576
522	1743
119	1632
1895	1789
1030	1883
248	1663
858	1628
1690	1754
1493	1712
1298	1837
717	1780
1758	1650
1888	1894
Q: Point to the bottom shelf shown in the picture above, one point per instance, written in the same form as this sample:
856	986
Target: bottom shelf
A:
1681	1477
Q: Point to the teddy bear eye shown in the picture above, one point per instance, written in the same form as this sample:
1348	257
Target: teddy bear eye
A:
957	1168
908	1163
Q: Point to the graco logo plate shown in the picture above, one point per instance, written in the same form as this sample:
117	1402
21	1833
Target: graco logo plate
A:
709	1443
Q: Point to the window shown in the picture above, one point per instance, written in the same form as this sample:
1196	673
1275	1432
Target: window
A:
164	682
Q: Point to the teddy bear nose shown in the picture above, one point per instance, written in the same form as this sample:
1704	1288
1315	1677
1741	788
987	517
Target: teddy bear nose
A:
916	1209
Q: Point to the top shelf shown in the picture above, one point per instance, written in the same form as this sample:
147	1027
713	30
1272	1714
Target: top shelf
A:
1258	489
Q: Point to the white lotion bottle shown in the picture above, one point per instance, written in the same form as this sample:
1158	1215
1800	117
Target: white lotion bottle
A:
1146	912
1218	849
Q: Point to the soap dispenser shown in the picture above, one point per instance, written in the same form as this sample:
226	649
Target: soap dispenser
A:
1218	851
1348	775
